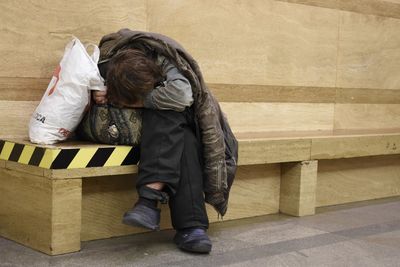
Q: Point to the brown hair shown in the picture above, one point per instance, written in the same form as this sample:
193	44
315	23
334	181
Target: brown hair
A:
131	75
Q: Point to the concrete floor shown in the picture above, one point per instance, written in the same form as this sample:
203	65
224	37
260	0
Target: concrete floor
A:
361	234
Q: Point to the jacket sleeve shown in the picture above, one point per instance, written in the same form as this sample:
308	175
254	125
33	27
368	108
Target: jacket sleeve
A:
175	93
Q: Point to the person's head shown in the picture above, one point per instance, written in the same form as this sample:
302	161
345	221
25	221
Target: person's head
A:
131	75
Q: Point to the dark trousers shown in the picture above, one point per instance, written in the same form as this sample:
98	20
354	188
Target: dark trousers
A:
171	153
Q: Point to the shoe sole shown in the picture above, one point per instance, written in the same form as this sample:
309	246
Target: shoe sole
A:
201	248
136	221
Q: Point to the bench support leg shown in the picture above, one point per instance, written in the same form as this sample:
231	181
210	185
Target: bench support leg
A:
41	213
66	216
298	188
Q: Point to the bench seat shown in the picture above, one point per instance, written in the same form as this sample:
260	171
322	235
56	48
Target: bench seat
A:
254	148
274	147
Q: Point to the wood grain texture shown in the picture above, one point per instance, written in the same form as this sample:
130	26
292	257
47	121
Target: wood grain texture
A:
70	173
255	192
256	136
69	144
25	207
386	8
34	33
270	117
272	93
15	123
91	172
367	96
302	94
368	52
66	216
40	213
22	89
298	188
355	146
32	89
257	42
367	116
105	201
37	171
273	151
265	147
349	180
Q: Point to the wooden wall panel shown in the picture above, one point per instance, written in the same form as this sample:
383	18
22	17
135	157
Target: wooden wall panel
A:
276	52
369	52
367	116
386	8
348	180
272	93
32	89
34	33
367	96
253	42
22	89
265	117
15	116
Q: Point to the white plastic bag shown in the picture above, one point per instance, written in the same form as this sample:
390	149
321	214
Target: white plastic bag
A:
68	94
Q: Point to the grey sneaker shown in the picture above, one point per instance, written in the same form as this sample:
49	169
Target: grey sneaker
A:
143	216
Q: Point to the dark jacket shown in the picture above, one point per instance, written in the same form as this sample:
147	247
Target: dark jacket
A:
220	147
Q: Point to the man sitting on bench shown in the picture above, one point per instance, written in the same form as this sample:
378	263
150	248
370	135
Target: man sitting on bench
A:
170	152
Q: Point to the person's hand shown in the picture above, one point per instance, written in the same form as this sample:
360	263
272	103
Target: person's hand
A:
100	97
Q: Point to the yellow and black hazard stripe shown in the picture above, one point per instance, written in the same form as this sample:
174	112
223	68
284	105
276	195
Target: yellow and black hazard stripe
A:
68	158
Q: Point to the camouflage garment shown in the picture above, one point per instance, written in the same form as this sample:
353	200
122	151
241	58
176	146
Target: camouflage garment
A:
220	147
110	125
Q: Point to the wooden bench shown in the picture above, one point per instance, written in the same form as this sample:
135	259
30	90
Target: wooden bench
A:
54	197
